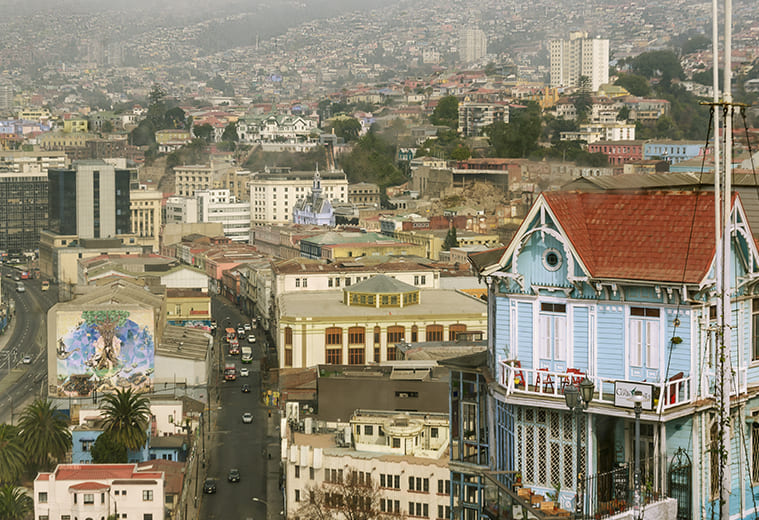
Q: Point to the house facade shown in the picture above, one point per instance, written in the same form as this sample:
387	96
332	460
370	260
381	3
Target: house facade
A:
619	289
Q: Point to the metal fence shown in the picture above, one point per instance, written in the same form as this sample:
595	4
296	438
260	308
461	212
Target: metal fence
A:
612	492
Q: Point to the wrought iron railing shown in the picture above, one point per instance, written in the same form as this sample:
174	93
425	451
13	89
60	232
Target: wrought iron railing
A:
612	492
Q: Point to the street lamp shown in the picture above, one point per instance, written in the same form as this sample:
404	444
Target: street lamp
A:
578	400
637	399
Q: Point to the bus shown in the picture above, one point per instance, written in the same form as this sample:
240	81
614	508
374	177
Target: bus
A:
231	334
247	355
234	347
230	372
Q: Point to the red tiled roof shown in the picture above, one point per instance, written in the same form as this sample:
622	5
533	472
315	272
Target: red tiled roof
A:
94	471
639	236
88	486
43	476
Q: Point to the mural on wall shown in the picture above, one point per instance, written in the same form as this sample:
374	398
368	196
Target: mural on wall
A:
104	350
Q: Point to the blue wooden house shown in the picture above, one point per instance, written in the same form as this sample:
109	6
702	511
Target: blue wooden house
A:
618	288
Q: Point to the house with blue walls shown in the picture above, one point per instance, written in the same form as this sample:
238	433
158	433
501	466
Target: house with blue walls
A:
618	289
673	151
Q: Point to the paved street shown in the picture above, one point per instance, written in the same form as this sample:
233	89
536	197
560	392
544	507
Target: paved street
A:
232	444
25	336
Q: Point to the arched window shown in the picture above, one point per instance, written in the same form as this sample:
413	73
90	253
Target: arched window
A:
356	346
395	334
288	346
377	343
434	333
333	343
454	330
414	334
288	336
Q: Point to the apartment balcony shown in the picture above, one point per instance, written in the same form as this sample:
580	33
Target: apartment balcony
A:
673	395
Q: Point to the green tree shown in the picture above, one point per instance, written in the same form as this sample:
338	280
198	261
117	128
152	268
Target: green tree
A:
634	84
230	133
44	432
346	127
446	112
107	451
518	138
664	65
144	134
126	416
460	153
372	159
623	114
450	239
174	118
14	503
106	127
106	323
204	131
582	99
12	455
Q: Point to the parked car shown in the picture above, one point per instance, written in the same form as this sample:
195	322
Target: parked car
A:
233	475
209	486
247	417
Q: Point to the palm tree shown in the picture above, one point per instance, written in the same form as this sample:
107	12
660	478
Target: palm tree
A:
12	455
14	504
44	433
126	415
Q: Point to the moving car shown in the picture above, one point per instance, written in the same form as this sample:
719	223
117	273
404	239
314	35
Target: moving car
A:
27	360
45	285
209	486
247	417
245	389
246	327
240	330
244	372
233	475
252	338
20	287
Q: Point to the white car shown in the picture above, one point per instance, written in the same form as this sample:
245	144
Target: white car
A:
247	417
247	327
251	338
27	360
244	372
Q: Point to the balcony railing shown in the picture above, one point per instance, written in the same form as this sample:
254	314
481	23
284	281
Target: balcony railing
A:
674	392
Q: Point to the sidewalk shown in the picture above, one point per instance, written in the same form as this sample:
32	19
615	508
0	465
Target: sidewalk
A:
275	503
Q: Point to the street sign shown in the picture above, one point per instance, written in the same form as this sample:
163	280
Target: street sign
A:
623	392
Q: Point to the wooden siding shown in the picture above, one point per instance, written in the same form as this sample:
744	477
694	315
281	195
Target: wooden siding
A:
580	337
611	341
524	334
502	341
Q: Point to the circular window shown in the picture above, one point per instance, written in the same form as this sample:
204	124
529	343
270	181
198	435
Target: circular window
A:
552	259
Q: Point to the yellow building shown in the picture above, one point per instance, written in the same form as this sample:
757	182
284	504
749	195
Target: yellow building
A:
188	307
364	323
432	240
61	140
145	213
75	126
34	114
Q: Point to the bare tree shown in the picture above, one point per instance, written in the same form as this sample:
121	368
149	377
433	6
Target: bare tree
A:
349	495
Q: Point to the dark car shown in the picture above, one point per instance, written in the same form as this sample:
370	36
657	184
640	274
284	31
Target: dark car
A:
209	486
245	389
234	475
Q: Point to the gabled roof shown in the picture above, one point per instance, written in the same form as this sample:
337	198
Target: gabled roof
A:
662	236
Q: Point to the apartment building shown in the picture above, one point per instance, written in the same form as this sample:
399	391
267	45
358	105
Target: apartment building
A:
579	56
274	192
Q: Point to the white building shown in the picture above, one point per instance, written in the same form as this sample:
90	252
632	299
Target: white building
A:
594	132
220	206
579	56
473	44
212	206
145	213
99	491
273	193
473	117
404	454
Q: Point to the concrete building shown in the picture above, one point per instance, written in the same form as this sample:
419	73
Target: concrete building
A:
99	491
273	193
219	174
221	206
402	454
366	321
364	194
473	117
91	200
473	44
23	210
36	161
145	216
579	56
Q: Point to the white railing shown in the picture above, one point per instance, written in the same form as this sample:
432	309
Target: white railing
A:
541	382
